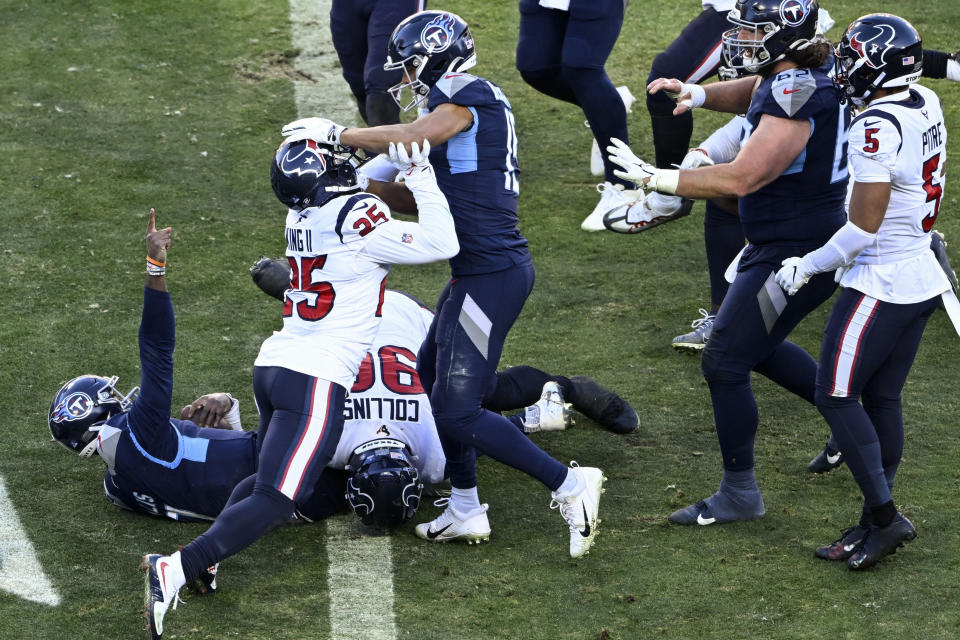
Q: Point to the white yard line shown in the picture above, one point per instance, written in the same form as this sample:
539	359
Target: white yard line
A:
360	573
20	571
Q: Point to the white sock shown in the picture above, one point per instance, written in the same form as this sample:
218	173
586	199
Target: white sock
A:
176	577
571	484
662	201
464	501
953	70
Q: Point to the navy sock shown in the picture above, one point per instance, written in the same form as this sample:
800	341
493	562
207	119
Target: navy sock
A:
236	528
884	514
857	439
519	387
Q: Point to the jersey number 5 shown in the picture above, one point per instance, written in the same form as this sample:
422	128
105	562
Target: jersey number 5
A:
301	277
934	190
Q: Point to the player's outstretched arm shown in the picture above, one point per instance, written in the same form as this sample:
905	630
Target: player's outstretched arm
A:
158	241
441	124
731	97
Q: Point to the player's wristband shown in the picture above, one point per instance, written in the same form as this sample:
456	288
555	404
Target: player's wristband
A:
664	181
155	267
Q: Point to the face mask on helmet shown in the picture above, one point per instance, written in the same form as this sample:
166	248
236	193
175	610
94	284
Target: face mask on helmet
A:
423	47
307	173
384	486
80	409
877	51
764	31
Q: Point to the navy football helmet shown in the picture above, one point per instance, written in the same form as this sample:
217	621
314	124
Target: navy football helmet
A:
307	173
80	408
428	44
384	486
877	51
777	26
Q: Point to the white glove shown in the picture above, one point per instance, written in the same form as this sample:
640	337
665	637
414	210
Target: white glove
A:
417	161
319	129
643	173
696	158
691	95
792	275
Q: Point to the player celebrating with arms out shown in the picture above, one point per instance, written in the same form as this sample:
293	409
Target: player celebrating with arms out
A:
340	243
892	281
469	123
790	177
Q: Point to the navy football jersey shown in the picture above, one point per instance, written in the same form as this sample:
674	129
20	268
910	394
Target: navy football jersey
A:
160	465
477	172
806	203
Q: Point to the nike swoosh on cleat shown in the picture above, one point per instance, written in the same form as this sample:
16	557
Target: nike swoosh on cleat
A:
833	459
434	534
704	521
163	572
849	547
585	532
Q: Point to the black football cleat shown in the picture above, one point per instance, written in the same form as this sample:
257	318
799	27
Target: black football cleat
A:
843	547
882	541
602	405
827	460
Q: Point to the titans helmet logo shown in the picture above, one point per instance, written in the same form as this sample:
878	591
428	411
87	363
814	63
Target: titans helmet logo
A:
794	12
76	406
871	42
303	162
438	34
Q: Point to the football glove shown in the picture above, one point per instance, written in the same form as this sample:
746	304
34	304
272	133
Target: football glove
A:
643	173
792	275
319	129
696	158
417	161
840	272
272	276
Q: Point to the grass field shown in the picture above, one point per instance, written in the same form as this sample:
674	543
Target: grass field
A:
112	107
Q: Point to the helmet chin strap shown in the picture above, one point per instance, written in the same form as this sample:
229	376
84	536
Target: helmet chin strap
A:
91	447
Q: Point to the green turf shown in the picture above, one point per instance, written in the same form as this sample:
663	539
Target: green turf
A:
110	108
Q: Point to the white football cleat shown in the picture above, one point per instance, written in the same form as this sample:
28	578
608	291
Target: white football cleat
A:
580	509
550	413
596	158
612	196
473	528
646	212
164	579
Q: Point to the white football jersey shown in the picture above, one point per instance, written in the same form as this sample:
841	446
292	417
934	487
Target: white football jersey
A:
904	142
387	400
338	254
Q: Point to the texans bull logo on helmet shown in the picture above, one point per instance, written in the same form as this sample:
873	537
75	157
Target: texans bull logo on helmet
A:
305	161
438	34
871	42
76	406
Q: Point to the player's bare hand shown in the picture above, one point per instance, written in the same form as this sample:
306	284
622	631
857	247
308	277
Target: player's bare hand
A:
158	240
207	410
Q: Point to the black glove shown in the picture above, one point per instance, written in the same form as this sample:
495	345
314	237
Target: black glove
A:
272	276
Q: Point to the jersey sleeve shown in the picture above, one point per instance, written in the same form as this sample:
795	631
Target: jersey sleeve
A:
874	145
461	89
149	417
794	94
359	217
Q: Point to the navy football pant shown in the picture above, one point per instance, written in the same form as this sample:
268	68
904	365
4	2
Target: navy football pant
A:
301	419
867	351
457	364
749	334
562	54
361	30
693	57
723	238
